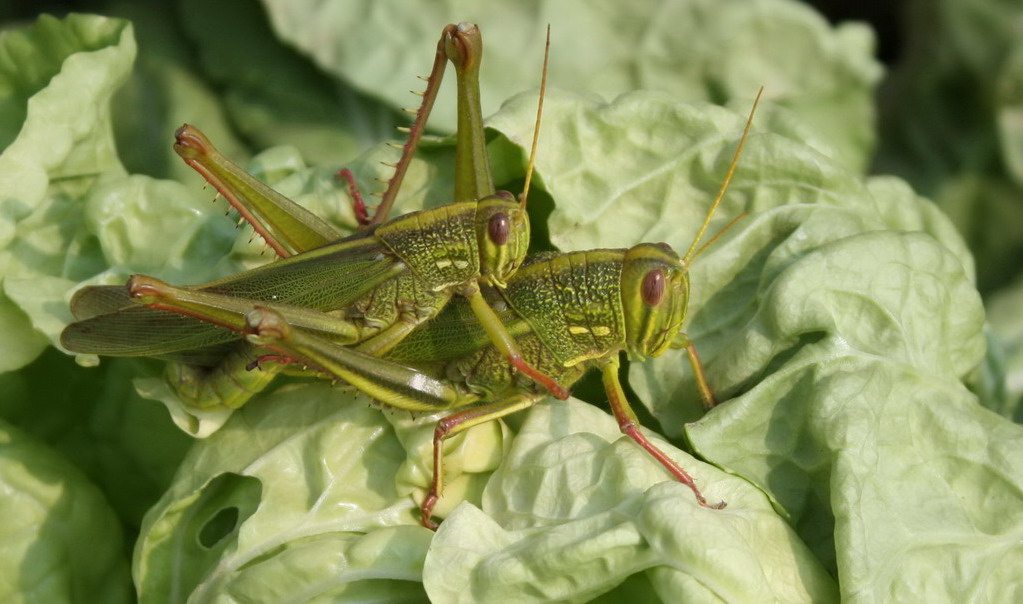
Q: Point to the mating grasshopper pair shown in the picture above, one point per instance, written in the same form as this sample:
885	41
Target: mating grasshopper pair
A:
364	309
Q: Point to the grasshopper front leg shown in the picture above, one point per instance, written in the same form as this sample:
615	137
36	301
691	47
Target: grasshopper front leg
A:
706	393
629	424
505	343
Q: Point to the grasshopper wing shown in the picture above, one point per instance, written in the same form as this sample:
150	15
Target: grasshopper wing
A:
327	278
96	300
141	331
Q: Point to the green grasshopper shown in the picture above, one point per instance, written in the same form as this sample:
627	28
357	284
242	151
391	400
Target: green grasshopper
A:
374	287
568	312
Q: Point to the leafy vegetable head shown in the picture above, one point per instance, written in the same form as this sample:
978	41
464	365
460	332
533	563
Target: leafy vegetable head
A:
838	321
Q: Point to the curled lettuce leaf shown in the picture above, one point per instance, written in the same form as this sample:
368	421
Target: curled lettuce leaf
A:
57	78
838	322
295	494
576	510
60	540
693	50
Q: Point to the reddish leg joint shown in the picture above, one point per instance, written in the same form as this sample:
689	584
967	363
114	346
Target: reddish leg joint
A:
526	369
280	359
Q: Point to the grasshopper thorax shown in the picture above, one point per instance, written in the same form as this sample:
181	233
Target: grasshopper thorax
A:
502	233
655	295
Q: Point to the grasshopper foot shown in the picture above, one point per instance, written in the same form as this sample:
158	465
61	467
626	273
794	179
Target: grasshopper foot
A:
700	499
427	510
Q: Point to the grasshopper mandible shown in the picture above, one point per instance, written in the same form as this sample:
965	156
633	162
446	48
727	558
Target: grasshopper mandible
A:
568	312
374	287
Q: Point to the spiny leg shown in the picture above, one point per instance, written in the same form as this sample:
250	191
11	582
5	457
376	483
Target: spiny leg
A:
358	203
286	227
415	131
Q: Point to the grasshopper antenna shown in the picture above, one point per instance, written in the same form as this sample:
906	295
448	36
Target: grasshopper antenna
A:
693	251
536	127
724	229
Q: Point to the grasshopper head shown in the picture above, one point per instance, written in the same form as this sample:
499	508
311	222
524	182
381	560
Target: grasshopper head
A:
655	294
502	231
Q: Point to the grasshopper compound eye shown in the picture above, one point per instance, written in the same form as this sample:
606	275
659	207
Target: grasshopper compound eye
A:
652	288
499	228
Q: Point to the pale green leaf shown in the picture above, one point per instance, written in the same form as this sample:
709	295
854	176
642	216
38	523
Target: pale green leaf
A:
693	50
60	541
57	77
294	498
577	508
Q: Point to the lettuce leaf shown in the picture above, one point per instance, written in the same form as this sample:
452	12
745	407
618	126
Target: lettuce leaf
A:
274	96
693	50
950	124
57	79
575	510
294	495
61	542
840	321
830	283
1006	321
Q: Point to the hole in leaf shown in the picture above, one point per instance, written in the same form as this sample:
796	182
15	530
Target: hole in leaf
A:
219	526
